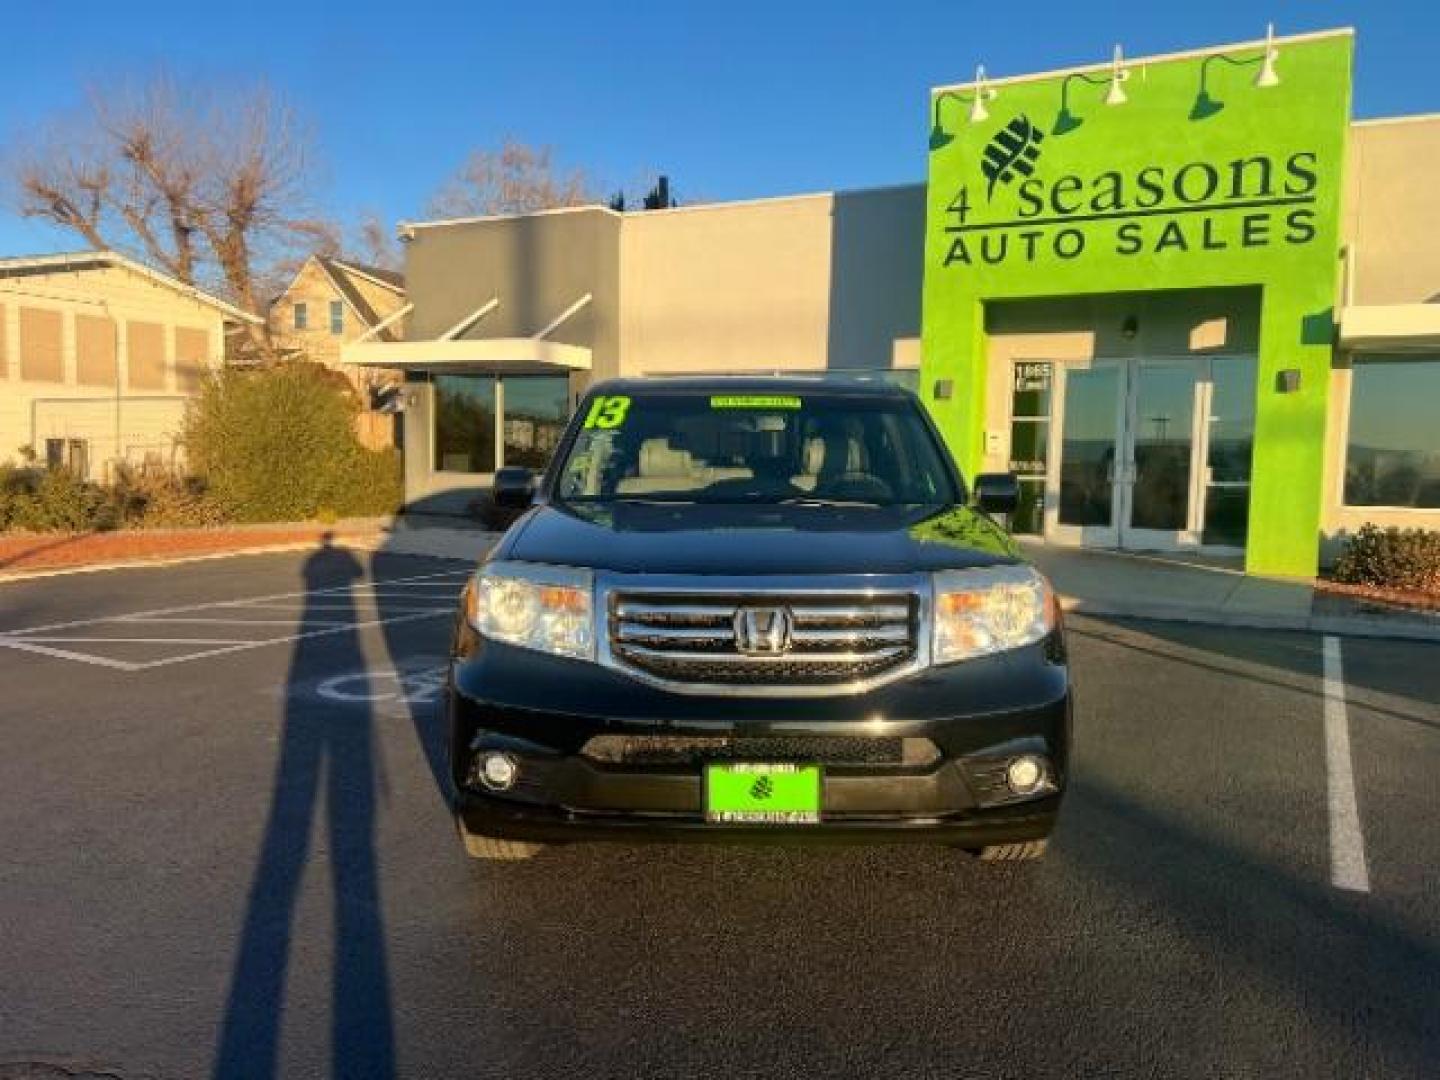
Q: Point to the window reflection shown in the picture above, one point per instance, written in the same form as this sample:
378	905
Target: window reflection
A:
535	409
1164	427
535	413
1232	420
1087	454
1393	452
465	423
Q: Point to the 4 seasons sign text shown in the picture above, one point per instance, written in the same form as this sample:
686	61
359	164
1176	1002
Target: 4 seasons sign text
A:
1249	201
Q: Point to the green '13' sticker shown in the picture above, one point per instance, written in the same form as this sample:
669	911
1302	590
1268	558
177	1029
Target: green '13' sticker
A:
607	412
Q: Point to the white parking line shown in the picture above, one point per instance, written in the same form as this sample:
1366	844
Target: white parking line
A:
66	654
353	606
60	639
223	604
1348	869
167	661
192	619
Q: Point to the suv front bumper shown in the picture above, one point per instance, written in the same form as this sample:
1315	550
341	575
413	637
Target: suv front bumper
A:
542	711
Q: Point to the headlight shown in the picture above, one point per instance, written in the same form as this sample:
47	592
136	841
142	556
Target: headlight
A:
989	610
548	608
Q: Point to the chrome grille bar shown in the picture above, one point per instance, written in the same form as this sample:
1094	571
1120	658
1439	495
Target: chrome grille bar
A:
838	641
778	660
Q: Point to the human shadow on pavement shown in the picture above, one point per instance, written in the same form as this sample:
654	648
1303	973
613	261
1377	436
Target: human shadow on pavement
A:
418	648
330	746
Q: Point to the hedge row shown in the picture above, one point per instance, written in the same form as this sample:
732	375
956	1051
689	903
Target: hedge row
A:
1391	559
272	444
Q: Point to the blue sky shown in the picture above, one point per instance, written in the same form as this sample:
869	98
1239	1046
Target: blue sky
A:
734	99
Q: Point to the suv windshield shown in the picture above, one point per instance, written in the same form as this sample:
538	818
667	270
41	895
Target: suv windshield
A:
712	447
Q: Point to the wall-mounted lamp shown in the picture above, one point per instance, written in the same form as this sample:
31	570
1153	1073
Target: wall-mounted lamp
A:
1268	76
979	94
1065	120
983	92
1119	74
1130	328
1206	105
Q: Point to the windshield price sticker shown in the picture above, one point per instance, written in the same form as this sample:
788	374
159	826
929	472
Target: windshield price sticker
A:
754	401
607	412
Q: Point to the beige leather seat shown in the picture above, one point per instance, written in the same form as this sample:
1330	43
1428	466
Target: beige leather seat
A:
848	457
661	468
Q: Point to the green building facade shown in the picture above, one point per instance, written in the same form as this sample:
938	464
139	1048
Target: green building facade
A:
1098	200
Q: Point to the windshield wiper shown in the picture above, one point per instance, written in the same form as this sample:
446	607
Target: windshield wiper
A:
811	500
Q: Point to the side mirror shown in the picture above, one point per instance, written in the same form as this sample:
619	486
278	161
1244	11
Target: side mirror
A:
514	488
997	493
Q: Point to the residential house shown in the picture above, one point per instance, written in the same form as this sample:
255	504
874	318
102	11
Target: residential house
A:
331	302
98	356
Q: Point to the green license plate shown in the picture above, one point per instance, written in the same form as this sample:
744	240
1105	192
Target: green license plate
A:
753	793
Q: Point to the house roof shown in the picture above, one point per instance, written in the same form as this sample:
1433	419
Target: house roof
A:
339	271
23	265
390	279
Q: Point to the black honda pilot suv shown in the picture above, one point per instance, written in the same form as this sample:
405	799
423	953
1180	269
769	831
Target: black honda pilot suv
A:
756	608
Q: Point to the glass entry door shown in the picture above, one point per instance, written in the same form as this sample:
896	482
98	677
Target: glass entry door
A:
1159	479
1152	454
1091	406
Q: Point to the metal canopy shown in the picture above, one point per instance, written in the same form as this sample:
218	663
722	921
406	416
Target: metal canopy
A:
1390	327
481	353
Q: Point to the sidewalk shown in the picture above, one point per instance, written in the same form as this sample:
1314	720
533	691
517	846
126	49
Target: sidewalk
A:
442	537
26	555
1214	591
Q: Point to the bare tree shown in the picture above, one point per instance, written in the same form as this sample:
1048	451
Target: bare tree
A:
516	179
212	186
376	244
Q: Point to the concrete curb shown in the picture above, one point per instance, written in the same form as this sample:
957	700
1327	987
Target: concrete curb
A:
1340	625
7	578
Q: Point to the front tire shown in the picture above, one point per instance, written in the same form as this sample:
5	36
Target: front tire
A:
1025	851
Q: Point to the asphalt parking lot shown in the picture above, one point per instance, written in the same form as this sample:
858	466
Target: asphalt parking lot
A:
226	853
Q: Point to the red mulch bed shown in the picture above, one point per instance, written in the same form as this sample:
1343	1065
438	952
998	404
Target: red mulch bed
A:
48	551
1411	599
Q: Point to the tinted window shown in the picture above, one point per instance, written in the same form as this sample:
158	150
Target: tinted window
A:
536	409
465	423
1393	453
755	448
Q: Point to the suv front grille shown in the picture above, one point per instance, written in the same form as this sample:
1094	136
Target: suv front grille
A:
684	751
834	640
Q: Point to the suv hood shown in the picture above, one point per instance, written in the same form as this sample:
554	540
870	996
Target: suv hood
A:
658	539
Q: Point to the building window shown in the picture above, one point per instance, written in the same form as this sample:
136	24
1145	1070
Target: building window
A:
465	407
536	408
1392	456
531	411
337	317
1030	442
302	316
73	455
42	356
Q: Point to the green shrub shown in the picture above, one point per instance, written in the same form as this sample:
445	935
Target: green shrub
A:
372	485
15	485
150	498
1391	558
59	501
278	444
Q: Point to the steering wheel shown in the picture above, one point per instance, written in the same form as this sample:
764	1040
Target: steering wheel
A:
856	487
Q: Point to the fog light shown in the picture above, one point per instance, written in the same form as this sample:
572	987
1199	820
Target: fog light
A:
497	771
1025	774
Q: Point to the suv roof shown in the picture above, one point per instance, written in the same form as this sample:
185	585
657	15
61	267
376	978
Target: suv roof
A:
758	384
